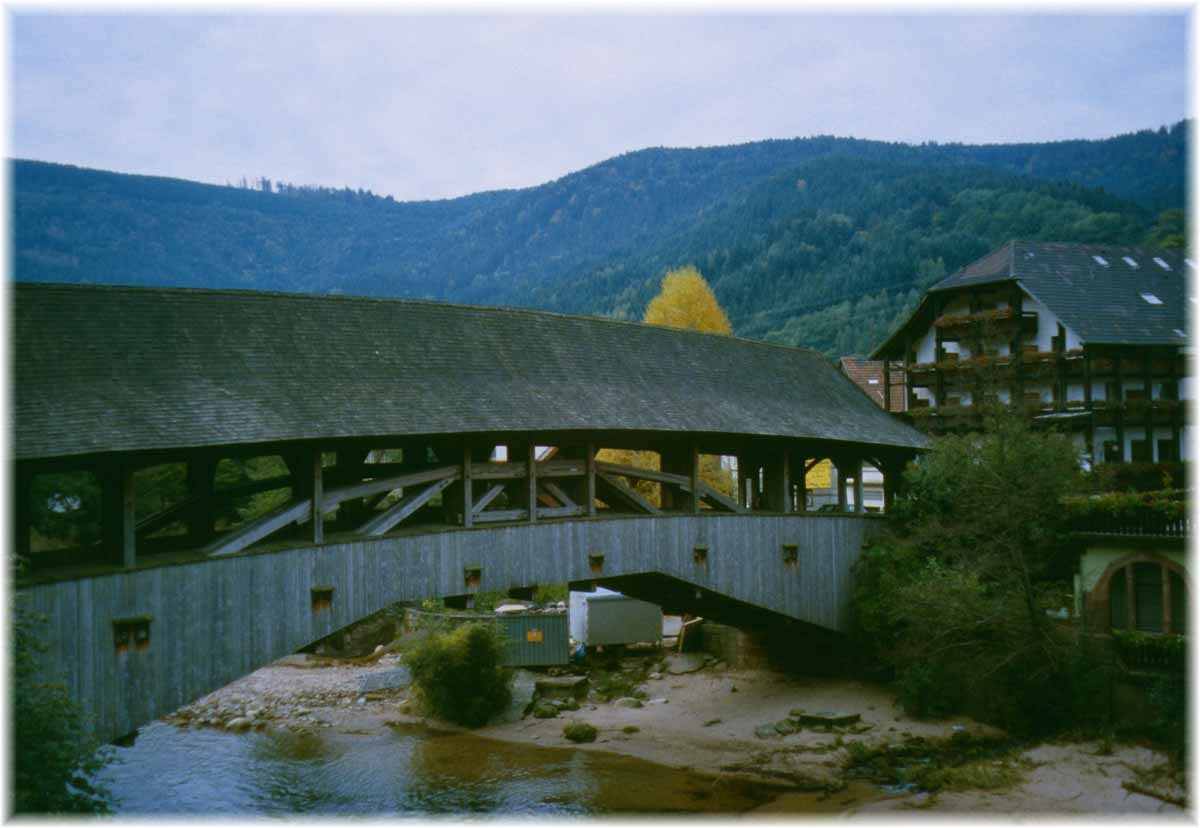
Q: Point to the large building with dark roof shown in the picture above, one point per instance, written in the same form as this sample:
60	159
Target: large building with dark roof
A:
1090	336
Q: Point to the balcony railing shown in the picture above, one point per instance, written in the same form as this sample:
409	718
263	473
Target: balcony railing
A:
1143	525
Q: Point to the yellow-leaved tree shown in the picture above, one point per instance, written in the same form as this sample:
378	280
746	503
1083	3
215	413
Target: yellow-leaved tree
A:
685	301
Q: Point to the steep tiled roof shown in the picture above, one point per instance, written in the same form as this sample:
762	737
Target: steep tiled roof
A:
1097	291
101	369
867	374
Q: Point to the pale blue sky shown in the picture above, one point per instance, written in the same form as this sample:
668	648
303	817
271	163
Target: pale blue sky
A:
424	106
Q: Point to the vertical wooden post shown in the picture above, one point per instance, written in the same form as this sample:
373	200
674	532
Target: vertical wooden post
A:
777	483
201	472
468	497
802	483
694	463
318	495
117	520
859	507
673	458
531	478
888	470
838	466
351	466
22	522
591	479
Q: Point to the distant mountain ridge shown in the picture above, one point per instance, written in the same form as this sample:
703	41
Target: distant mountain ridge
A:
787	231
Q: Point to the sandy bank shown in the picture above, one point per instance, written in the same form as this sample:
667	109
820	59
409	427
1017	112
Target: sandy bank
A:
706	721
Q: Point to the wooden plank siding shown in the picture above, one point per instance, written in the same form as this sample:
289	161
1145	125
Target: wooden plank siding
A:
216	620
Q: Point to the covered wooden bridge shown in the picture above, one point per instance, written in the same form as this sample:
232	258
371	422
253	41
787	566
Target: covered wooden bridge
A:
271	467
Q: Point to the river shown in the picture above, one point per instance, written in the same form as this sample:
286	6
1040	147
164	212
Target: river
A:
396	771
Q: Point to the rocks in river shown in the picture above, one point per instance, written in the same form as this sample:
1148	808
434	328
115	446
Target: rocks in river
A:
561	687
628	701
766	731
679	664
824	718
239	724
655	676
543	709
786	727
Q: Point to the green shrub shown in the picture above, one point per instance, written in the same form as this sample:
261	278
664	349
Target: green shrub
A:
579	732
55	756
459	675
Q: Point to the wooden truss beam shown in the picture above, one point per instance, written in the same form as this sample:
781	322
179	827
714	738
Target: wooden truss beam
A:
370	487
295	512
682	481
556	492
486	498
612	489
409	504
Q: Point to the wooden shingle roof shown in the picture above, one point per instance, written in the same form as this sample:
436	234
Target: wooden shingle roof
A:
106	369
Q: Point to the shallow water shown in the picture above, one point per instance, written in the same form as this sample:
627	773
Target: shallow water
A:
397	771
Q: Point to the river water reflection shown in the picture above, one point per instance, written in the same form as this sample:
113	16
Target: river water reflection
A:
397	772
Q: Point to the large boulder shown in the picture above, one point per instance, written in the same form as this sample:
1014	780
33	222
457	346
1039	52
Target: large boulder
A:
562	687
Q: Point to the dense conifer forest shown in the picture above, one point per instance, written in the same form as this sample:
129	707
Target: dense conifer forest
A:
820	242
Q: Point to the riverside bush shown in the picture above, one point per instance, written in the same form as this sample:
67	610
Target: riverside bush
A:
460	676
579	732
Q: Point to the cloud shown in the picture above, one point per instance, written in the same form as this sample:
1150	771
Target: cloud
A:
428	106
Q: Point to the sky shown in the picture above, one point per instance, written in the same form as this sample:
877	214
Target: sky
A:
420	106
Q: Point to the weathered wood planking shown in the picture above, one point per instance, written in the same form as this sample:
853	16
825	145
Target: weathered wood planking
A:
218	619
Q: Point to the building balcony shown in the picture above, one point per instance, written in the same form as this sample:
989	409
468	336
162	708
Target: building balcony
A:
985	324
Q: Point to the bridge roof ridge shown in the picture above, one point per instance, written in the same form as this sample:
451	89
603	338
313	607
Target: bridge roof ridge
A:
408	300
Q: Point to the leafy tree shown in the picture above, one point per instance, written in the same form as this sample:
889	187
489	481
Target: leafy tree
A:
954	596
55	756
1170	230
686	301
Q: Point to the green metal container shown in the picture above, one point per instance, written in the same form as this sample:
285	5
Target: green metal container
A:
535	639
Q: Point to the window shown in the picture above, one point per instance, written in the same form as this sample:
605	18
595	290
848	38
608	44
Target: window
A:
1168	452
1159	597
1139	451
1112	452
1151	299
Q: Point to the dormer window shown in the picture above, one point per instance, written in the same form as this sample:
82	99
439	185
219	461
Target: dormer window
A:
1100	260
1129	261
1151	299
1161	263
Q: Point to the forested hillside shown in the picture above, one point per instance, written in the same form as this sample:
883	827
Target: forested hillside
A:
820	242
